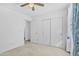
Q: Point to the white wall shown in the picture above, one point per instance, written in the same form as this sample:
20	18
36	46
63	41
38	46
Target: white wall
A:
15	7
59	13
62	13
11	29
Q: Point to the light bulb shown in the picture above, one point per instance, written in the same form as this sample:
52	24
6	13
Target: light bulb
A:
31	5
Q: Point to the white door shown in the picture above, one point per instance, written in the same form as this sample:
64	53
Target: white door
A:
56	32
45	31
34	31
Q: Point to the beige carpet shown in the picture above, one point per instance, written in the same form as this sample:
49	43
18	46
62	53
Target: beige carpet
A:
31	49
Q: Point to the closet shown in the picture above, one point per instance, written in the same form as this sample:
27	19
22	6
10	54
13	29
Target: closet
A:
48	31
57	32
45	32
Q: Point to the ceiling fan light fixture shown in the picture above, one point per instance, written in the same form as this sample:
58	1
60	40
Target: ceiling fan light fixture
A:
31	5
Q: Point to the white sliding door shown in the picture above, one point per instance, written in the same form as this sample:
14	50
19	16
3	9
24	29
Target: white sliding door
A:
40	31
56	32
34	31
46	31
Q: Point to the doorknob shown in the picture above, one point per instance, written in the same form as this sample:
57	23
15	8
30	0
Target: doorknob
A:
68	37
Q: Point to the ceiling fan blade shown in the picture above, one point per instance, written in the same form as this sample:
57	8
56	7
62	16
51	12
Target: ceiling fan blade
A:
24	4
40	4
33	9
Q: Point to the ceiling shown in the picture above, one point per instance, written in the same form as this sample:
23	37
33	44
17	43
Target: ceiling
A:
38	11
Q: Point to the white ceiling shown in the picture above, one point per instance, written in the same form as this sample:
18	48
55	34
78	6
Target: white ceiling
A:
40	10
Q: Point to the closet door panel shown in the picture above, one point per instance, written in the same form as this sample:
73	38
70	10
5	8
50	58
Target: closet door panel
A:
34	31
56	32
40	31
40	37
46	31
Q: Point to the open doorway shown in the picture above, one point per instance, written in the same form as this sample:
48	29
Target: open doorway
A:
27	31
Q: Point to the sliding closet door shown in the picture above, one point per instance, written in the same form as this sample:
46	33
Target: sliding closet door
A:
34	31
40	31
46	31
56	32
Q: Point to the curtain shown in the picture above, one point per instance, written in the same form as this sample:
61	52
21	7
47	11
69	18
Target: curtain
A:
75	25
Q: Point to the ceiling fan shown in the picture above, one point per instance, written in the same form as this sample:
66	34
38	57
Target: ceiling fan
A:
32	5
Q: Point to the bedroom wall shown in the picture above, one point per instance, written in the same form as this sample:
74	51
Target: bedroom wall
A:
58	13
11	29
51	15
